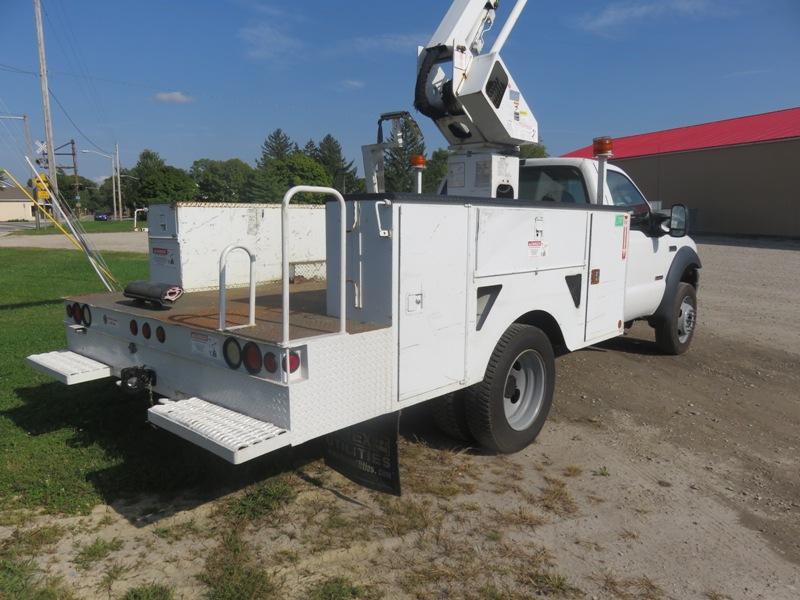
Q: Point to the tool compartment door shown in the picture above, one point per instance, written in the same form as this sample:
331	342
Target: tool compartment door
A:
432	297
608	249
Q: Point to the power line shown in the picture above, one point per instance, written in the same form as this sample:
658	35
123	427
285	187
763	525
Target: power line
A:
78	129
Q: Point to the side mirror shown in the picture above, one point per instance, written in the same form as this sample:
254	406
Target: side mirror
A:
678	221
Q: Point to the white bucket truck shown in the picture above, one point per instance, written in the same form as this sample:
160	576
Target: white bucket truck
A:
460	297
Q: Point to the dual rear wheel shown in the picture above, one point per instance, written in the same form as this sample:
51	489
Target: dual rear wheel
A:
506	411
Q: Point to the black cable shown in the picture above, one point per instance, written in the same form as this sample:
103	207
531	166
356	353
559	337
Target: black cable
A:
78	129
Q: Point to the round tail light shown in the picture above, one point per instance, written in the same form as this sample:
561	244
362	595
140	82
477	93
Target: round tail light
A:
270	362
251	356
146	332
294	362
161	335
134	327
77	314
69	311
87	315
232	352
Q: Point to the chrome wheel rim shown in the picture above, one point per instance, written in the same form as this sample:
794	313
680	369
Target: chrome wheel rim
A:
687	318
523	394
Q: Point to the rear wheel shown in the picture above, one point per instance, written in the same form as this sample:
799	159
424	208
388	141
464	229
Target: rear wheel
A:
674	335
506	411
450	416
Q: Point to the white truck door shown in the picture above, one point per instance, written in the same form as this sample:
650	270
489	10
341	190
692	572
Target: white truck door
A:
608	240
432	297
647	260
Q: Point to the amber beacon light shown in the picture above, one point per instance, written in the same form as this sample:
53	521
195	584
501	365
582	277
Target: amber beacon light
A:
603	146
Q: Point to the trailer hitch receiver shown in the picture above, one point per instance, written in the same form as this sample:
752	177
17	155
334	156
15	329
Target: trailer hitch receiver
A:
134	380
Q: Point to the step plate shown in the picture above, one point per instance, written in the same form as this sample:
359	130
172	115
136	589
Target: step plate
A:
235	437
69	367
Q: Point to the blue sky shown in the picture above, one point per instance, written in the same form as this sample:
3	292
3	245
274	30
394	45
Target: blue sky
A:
194	79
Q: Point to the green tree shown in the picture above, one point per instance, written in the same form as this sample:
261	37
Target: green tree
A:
311	149
341	172
533	151
271	183
156	181
399	175
87	190
221	180
435	172
277	146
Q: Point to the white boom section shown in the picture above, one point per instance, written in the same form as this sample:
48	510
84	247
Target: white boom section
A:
476	103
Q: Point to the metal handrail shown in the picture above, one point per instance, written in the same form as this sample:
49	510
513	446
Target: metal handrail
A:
285	253
223	268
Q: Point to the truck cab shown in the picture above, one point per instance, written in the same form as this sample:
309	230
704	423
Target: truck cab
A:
659	257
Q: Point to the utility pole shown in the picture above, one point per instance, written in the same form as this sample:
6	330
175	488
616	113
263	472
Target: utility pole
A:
73	167
119	180
52	169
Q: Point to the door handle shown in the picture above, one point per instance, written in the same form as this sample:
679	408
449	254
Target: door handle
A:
381	231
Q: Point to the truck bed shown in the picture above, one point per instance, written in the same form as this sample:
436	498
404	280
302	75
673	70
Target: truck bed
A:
201	310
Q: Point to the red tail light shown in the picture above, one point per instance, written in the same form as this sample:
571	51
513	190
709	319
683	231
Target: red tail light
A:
146	331
161	335
251	356
77	313
134	327
270	362
294	362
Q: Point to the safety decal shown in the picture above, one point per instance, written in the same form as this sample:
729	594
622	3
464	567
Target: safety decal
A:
620	221
537	248
204	344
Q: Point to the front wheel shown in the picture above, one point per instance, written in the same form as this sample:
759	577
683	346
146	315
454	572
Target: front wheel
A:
674	335
506	411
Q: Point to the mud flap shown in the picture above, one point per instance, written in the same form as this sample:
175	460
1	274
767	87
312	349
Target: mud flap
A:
367	453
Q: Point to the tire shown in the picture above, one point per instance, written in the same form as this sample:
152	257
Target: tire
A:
506	411
674	335
450	416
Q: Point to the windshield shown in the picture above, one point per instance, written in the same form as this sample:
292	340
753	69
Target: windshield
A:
623	192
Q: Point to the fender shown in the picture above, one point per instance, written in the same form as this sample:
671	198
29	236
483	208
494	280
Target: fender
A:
686	257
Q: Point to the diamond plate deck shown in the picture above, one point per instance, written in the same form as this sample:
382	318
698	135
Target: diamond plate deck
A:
69	367
308	316
235	437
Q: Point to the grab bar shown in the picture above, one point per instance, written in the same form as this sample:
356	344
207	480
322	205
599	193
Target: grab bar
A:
223	268
312	189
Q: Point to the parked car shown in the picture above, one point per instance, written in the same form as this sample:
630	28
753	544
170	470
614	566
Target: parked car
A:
101	216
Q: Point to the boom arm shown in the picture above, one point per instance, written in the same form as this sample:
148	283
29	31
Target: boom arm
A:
475	101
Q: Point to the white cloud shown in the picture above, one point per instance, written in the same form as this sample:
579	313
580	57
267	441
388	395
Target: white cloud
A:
173	98
265	42
352	84
618	14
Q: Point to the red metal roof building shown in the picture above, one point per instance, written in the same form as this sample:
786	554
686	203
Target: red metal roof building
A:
766	127
735	175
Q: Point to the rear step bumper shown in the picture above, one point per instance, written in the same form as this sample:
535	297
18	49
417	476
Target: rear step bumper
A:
233	436
69	367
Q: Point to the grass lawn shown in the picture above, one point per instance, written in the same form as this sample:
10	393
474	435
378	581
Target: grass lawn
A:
89	226
66	449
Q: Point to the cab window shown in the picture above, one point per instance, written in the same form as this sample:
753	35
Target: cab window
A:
624	193
552	184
